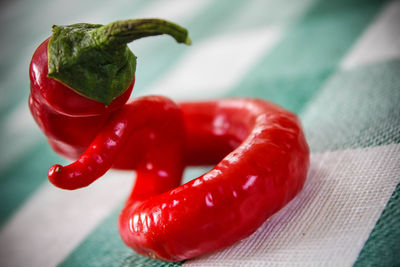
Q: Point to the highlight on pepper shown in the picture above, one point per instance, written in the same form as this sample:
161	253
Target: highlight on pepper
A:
82	77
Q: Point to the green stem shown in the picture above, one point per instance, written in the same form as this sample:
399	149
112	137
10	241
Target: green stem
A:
126	31
95	61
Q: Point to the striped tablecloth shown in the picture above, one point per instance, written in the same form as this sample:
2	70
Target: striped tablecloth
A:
334	63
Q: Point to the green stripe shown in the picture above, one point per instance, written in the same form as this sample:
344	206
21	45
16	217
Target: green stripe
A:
308	54
261	13
357	108
383	245
18	90
20	180
104	248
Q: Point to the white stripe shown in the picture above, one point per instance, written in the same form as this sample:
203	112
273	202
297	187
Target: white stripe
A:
177	11
53	222
194	172
174	10
18	134
380	42
211	68
328	223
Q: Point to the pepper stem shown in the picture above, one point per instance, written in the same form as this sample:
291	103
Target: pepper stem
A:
125	31
95	61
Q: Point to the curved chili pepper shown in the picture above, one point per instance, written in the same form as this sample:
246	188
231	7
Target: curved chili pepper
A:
259	149
220	207
232	200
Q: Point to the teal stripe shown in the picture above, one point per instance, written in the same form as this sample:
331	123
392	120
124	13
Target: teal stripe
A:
357	108
20	180
383	245
104	248
308	54
18	91
261	13
360	108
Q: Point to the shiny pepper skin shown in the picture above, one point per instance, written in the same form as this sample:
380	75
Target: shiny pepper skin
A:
259	149
70	121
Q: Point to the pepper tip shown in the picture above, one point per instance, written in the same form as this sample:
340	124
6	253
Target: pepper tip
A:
54	174
54	170
188	41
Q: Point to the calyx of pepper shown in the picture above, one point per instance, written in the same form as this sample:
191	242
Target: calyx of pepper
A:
95	61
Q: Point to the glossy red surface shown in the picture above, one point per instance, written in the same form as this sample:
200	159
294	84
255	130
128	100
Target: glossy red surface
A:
70	121
259	149
257	178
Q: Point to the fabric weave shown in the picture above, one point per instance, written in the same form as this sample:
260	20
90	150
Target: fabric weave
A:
334	63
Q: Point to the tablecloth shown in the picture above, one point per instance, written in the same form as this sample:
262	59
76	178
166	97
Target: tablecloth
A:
334	63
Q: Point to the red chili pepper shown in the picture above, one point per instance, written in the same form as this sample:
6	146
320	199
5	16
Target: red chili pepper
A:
69	120
261	155
232	200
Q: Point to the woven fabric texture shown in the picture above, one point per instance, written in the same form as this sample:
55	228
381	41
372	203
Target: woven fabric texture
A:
328	223
336	64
